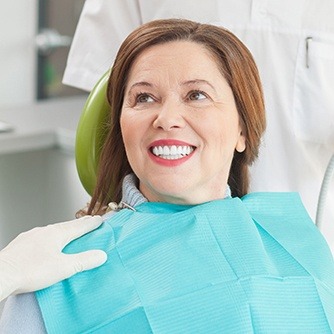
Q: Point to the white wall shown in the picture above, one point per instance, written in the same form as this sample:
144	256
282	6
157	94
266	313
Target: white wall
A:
18	25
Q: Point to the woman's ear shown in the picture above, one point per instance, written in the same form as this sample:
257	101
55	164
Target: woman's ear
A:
241	143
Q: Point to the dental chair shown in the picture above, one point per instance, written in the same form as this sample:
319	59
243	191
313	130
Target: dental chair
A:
90	137
90	134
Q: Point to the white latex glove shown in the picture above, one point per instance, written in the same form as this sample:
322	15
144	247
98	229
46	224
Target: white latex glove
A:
34	259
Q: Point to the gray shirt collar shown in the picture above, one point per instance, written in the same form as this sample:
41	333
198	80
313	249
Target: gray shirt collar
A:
132	196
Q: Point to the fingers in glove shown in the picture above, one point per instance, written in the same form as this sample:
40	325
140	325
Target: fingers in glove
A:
76	228
84	261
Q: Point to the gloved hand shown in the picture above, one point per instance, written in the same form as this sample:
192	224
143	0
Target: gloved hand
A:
34	259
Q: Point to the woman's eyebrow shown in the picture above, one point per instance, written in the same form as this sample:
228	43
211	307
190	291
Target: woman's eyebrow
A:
197	81
139	84
183	83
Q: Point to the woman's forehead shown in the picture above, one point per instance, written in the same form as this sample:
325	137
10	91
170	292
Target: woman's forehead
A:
185	60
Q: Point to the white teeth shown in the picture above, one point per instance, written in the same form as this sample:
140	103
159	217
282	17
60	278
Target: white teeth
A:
172	152
165	150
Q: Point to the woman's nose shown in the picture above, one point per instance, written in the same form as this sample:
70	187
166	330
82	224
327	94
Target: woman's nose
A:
169	116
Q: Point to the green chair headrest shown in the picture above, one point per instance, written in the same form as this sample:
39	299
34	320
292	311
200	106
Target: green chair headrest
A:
91	134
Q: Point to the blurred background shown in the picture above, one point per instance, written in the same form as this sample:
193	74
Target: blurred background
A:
38	179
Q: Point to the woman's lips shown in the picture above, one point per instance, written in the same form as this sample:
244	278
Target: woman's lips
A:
171	152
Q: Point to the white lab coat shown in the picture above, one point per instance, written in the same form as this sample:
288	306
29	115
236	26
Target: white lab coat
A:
298	84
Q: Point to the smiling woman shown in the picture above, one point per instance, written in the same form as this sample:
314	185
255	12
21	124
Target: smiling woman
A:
189	250
175	102
189	84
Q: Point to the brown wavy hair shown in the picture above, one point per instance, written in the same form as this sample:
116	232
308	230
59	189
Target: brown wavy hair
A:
236	65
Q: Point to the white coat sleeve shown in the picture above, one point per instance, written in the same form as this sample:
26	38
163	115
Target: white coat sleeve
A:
102	27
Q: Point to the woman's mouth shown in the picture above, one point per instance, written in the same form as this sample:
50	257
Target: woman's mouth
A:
172	152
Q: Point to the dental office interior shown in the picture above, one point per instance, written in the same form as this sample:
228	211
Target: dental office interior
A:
39	183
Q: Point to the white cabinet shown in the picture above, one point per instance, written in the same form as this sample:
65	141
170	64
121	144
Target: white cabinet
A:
37	188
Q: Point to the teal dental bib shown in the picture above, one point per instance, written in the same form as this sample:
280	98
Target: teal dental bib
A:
251	265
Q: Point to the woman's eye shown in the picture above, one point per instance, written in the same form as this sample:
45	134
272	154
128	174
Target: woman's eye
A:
144	98
196	95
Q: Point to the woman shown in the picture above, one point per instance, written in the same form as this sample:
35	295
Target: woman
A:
187	254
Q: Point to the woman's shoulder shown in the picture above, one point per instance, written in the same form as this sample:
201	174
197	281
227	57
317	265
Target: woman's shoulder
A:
284	217
280	206
280	213
103	236
278	201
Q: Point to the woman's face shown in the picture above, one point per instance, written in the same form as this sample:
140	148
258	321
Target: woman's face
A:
180	124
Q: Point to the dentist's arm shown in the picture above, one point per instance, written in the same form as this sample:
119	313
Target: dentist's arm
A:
34	259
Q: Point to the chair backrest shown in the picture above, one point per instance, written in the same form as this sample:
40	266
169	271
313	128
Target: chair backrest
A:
91	133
